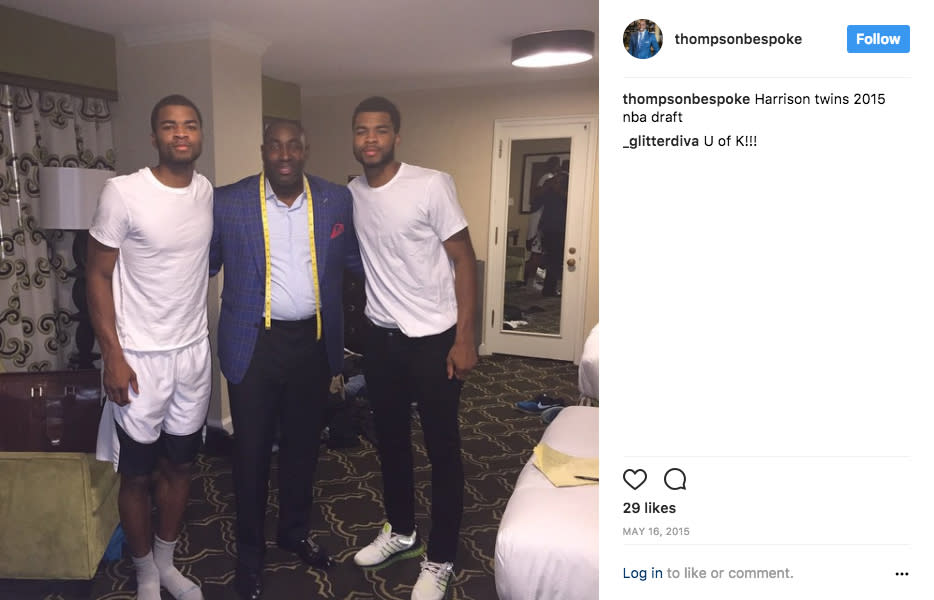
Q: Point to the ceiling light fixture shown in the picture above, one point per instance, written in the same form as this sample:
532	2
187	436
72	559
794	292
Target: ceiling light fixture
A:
553	48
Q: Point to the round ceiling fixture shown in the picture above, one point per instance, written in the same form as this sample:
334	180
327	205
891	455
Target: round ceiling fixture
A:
553	48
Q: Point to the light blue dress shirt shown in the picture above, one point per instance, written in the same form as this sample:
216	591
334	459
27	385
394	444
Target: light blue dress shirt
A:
293	292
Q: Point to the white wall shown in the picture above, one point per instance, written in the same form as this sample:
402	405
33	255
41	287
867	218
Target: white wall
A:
237	112
148	73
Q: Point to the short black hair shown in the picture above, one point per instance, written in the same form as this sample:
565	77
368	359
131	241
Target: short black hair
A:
379	104
172	100
276	122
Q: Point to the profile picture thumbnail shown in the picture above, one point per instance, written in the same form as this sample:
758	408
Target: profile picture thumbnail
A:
643	38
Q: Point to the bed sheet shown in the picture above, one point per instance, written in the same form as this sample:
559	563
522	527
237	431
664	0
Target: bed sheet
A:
547	543
588	377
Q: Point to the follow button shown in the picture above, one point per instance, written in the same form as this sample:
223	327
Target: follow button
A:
878	38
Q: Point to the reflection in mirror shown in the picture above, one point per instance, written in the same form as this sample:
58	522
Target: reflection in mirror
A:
538	192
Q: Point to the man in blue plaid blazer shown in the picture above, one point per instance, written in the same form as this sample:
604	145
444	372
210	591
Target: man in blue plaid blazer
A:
279	365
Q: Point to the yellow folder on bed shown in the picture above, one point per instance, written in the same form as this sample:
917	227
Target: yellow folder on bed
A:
564	470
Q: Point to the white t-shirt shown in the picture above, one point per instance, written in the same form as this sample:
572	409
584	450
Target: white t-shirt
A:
401	226
160	281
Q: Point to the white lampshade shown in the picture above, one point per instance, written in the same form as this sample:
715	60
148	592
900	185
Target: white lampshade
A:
68	196
553	48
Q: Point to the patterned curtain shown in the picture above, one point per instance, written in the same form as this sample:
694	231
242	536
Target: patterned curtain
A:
37	268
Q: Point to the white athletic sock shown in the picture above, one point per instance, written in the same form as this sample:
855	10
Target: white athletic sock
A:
147	578
171	579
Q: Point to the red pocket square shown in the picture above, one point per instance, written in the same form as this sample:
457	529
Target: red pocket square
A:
337	230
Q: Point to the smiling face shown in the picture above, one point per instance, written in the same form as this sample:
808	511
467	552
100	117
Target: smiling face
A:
177	136
374	139
283	152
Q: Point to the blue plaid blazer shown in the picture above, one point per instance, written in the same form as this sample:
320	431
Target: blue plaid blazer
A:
237	246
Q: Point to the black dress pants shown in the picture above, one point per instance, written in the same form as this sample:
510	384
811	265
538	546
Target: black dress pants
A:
400	370
553	245
285	387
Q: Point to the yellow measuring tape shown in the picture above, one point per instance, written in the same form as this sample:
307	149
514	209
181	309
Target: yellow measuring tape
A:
311	240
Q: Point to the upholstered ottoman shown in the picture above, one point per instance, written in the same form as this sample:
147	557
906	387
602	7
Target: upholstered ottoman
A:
58	511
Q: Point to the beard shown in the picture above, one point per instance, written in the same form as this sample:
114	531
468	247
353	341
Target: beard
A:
377	162
169	158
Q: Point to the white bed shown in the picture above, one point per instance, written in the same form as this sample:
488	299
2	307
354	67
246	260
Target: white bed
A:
588	375
546	546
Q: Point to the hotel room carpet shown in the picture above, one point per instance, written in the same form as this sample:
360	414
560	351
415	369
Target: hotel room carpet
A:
497	441
542	314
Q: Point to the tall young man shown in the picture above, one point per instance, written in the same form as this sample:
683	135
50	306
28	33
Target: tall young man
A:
421	297
147	290
283	239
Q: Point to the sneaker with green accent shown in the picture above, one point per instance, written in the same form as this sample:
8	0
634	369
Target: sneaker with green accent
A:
433	581
388	547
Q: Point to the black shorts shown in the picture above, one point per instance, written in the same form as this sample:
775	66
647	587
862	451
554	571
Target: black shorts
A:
140	459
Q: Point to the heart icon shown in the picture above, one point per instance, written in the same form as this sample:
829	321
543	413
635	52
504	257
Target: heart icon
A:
634	478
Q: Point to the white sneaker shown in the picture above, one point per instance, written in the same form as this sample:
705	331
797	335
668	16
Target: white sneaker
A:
388	547
433	581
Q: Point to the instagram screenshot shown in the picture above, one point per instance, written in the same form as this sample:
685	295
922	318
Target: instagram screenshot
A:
768	308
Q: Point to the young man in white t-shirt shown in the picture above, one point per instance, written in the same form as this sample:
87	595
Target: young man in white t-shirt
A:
421	287
147	290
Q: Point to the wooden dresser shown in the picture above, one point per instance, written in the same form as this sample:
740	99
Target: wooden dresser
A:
50	411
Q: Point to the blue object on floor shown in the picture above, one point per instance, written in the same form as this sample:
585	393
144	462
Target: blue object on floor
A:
539	404
115	548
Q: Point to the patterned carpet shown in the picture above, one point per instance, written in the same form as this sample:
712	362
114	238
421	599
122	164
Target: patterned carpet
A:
497	441
542	313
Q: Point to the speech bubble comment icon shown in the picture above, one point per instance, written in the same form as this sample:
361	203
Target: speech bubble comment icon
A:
675	479
635	478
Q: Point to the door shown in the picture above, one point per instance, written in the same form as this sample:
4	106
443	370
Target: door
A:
541	201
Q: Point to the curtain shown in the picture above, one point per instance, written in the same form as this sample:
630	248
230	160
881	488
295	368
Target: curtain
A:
38	316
